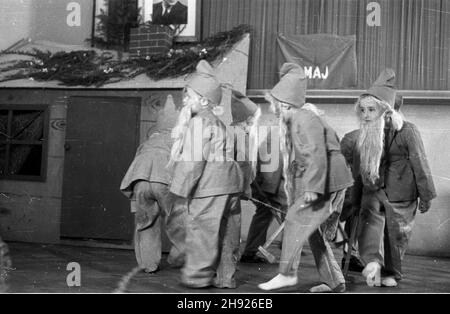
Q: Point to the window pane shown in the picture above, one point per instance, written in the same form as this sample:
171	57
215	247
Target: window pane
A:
27	125
25	160
2	159
3	124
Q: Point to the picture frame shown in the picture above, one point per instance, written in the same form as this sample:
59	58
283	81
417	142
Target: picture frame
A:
190	32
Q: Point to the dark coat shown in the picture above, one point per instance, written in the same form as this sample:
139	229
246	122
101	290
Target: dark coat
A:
269	181
407	175
241	156
178	14
404	171
206	177
150	162
318	165
348	147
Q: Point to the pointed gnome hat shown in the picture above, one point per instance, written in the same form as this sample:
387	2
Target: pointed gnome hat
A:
383	88
205	83
241	107
291	88
167	117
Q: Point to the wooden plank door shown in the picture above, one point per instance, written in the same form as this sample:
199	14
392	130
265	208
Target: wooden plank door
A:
102	135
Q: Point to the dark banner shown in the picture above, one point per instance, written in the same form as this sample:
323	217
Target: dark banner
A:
329	60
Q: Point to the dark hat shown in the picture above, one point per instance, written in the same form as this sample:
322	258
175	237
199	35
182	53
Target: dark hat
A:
205	83
383	88
241	107
291	88
168	116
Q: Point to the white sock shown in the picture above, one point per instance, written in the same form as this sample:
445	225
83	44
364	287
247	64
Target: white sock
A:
320	289
389	282
279	281
372	272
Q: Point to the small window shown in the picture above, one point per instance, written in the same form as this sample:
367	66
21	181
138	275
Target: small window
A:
23	142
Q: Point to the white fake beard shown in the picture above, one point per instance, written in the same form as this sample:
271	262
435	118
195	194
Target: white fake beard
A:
370	146
218	110
286	149
313	109
397	120
178	134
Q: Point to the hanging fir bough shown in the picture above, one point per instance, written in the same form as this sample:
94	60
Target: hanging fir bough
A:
89	68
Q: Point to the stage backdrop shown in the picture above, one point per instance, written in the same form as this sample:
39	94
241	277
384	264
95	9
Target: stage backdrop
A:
413	38
329	60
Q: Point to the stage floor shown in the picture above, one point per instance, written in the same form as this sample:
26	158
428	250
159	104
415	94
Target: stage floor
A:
43	269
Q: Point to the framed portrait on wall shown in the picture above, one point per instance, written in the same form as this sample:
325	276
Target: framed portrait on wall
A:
184	15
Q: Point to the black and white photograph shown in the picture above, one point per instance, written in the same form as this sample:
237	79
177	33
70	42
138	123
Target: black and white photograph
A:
168	12
224	155
184	16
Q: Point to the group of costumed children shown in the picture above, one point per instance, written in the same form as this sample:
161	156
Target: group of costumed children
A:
189	178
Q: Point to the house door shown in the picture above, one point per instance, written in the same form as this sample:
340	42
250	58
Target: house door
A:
102	135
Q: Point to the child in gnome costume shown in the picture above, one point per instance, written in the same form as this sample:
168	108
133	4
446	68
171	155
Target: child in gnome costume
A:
245	119
265	187
146	184
350	213
268	188
211	181
245	114
316	179
393	174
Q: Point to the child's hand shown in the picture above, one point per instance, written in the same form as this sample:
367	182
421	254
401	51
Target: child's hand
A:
310	197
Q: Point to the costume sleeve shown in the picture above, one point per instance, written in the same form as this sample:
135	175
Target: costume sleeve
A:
313	154
347	146
356	193
189	169
419	163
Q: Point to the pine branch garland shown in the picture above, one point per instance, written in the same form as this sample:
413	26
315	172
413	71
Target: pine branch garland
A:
89	68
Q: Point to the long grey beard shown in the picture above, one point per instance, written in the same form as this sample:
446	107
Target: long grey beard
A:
370	146
286	149
178	134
